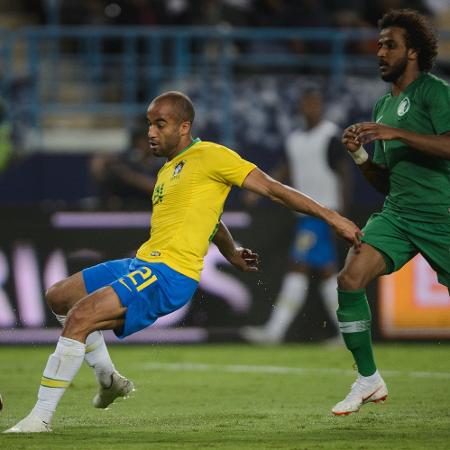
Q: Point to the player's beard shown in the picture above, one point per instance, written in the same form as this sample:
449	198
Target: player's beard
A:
396	71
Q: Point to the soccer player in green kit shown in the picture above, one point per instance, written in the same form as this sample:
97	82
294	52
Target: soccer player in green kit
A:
411	164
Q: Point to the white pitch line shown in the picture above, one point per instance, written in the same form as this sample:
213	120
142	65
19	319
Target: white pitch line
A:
281	370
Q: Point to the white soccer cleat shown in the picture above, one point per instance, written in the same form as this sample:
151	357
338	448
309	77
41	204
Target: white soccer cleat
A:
31	424
260	335
120	387
362	392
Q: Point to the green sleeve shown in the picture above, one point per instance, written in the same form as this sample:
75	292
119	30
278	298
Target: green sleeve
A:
437	102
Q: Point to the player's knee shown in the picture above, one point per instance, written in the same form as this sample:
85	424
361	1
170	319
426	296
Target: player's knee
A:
57	299
350	281
79	321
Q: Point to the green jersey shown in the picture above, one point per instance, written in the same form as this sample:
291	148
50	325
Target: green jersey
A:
419	183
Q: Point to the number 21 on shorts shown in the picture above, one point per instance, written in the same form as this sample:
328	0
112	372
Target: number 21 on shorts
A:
140	278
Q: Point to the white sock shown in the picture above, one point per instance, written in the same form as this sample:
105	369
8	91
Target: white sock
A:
60	318
61	368
328	291
97	355
289	301
372	378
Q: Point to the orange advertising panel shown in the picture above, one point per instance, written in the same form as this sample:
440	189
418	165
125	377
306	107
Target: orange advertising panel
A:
413	304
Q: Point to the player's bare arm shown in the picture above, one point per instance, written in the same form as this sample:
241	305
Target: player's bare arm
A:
280	173
436	145
376	174
261	183
242	258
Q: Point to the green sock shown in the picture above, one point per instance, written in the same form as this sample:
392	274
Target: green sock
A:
354	322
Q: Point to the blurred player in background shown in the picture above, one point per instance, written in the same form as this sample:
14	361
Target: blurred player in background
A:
130	294
127	180
317	166
411	164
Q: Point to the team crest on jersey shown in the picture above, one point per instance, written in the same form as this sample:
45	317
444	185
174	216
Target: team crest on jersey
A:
403	108
178	168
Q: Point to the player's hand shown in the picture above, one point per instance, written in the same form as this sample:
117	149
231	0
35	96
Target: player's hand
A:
367	132
350	139
244	259
348	230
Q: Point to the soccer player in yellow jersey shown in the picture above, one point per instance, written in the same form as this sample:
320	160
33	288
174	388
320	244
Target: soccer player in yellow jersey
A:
130	294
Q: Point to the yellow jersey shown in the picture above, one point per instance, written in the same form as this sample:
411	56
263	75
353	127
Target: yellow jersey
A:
188	201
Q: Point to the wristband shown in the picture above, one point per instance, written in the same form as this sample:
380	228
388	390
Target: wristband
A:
360	156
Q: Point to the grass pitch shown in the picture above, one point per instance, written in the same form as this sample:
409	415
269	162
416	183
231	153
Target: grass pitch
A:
237	397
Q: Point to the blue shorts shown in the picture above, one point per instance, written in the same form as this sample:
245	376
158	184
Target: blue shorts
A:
147	290
314	244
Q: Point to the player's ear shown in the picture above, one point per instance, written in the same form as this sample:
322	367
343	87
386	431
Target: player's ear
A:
412	54
185	128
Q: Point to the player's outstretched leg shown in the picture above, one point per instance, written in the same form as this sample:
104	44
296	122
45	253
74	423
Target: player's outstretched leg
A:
62	296
101	309
355	323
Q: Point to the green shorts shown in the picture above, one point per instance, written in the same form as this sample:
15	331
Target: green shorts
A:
399	240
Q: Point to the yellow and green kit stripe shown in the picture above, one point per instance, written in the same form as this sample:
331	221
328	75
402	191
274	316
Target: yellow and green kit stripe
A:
53	383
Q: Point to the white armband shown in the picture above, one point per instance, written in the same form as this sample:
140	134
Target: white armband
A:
360	156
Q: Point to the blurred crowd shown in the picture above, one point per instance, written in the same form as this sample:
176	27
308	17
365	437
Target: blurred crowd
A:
252	13
262	107
360	14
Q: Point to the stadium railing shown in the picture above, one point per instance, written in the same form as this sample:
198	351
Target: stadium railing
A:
112	72
116	70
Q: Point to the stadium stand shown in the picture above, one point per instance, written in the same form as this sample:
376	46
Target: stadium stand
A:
81	89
